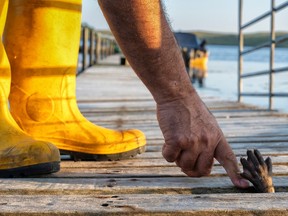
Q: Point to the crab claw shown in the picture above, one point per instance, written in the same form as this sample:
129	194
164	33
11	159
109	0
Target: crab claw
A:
258	171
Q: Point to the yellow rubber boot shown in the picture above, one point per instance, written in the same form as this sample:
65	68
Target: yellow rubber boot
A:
43	61
20	154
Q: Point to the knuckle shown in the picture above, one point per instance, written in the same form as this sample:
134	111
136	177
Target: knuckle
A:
194	173
169	157
229	158
170	153
204	137
190	173
205	172
181	141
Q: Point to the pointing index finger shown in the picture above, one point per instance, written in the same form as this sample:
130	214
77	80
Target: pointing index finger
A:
226	157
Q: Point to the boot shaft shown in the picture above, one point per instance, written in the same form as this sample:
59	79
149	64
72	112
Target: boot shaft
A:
43	34
5	76
42	42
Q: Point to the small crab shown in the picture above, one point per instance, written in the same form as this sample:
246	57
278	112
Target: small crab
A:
258	171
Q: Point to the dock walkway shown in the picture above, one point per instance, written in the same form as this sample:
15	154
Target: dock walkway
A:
112	96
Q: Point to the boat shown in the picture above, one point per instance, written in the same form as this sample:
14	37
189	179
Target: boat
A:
195	55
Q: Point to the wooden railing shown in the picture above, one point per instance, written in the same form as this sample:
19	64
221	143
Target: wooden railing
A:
93	47
271	44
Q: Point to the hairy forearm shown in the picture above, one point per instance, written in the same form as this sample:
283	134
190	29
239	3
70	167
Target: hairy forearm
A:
142	31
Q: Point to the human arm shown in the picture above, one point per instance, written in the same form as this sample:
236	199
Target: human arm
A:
192	135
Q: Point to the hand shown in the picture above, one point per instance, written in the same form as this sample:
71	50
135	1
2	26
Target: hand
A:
258	171
193	139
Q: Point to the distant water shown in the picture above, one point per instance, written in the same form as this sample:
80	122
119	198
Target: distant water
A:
223	75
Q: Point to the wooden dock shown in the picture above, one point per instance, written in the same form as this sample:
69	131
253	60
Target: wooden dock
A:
112	96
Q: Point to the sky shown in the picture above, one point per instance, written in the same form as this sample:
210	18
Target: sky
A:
203	15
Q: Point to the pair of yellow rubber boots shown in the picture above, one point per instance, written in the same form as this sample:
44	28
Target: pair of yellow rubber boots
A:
38	61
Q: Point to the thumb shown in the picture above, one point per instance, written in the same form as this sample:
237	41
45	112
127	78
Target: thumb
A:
170	152
225	156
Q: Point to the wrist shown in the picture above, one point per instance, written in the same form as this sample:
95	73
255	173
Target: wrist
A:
174	91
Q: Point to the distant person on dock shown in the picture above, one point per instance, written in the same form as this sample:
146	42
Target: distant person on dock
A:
198	64
42	52
186	58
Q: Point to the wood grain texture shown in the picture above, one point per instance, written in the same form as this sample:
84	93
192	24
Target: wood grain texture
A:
112	96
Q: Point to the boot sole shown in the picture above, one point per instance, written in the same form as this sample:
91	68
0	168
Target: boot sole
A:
79	156
32	170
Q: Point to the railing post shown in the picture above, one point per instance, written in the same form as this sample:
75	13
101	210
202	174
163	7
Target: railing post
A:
85	47
272	51
101	48
95	48
105	47
92	48
98	47
112	47
240	57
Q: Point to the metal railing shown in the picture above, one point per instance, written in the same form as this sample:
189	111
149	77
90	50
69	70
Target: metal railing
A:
93	47
271	43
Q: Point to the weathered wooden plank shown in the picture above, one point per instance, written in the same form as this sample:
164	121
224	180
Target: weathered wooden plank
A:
214	104
140	162
143	116
151	112
141	121
98	185
148	184
254	139
155	133
229	130
233	113
151	171
275	146
269	121
146	204
238	152
130	102
236	139
245	143
138	107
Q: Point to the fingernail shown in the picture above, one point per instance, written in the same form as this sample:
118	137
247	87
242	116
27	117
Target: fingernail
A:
243	183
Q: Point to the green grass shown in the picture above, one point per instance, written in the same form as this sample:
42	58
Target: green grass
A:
251	39
214	38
